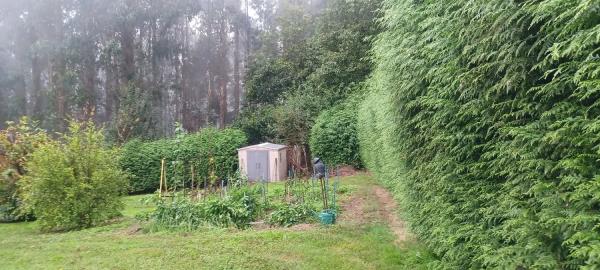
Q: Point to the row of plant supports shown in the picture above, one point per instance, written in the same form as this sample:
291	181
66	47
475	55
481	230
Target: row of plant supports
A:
297	190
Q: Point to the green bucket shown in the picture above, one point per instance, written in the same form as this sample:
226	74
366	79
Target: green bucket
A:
327	217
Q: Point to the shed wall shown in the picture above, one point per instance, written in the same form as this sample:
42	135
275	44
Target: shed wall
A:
277	168
283	164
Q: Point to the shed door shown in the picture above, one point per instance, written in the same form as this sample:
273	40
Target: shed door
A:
258	165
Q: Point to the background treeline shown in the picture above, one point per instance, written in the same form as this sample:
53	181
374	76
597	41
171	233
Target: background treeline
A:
138	66
484	117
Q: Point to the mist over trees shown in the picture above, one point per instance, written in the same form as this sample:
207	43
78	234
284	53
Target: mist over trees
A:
137	66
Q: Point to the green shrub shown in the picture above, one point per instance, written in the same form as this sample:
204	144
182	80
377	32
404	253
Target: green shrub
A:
257	123
17	142
268	80
287	215
74	185
210	150
483	116
334	138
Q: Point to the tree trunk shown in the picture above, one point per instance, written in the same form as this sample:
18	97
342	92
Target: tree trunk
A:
223	64
222	102
186	92
109	90
58	70
127	47
90	85
209	97
89	62
236	72
36	78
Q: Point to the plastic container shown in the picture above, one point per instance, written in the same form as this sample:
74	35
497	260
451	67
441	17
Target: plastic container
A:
327	217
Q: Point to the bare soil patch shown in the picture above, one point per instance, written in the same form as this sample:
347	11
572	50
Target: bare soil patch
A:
374	204
346	171
263	226
133	229
353	211
388	211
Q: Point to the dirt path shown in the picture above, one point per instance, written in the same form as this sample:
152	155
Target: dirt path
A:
374	203
388	211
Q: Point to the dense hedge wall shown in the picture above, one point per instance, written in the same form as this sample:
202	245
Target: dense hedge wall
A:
484	115
333	137
142	159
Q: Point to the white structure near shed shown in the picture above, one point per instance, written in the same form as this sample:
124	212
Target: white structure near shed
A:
265	161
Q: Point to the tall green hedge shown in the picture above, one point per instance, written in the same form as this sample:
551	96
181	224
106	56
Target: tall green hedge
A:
484	116
142	160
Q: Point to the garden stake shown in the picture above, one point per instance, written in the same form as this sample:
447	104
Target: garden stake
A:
335	185
335	188
165	180
162	171
204	197
192	170
326	187
262	190
321	182
175	187
222	191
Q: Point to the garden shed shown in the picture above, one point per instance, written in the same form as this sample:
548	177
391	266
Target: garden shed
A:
265	161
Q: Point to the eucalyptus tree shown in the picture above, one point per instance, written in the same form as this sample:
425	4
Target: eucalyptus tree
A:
138	66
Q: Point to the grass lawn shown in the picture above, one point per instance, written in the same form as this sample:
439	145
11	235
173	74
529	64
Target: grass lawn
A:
116	246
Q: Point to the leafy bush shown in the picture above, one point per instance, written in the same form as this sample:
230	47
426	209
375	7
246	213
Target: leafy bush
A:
334	138
291	214
210	150
483	116
74	185
294	118
257	124
268	80
17	142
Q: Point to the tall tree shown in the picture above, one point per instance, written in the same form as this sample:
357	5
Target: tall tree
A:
137	66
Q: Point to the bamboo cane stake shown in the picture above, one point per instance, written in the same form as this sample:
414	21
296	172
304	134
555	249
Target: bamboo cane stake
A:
192	170
165	178
162	171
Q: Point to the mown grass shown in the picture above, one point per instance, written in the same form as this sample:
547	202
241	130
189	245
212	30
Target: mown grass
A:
115	246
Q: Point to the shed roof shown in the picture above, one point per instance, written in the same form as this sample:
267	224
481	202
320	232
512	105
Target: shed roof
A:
269	146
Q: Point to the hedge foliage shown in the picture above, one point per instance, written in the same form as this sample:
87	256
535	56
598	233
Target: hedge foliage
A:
484	116
143	159
333	137
74	184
